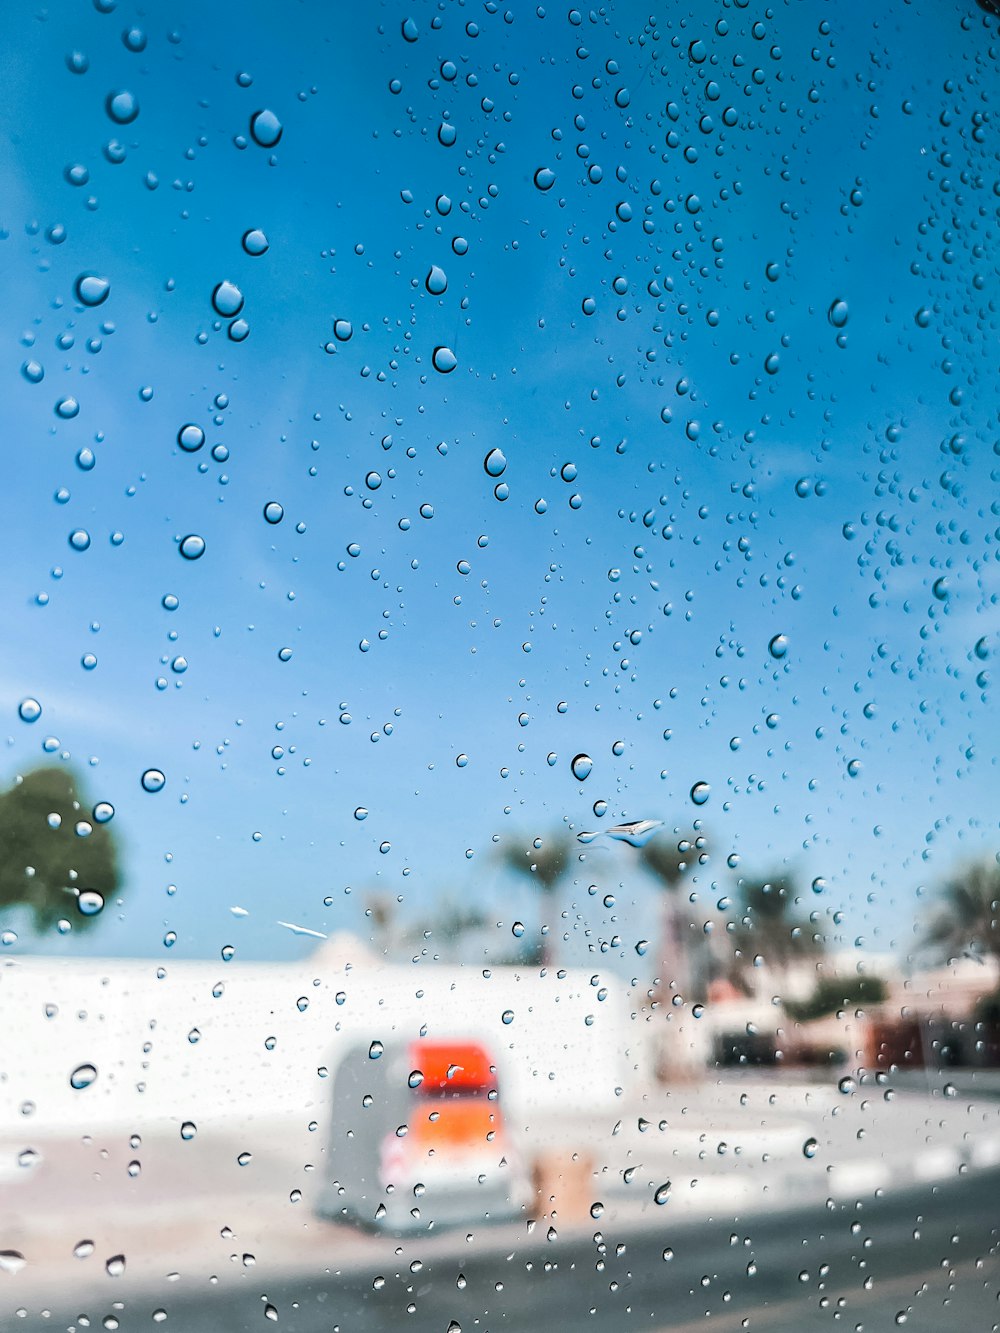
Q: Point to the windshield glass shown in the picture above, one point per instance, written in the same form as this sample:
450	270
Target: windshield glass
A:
499	817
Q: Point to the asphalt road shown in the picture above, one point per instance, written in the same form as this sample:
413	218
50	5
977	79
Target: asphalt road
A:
924	1261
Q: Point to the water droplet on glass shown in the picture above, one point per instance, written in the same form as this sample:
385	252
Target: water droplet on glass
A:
190	438
444	360
847	1084
495	463
266	128
153	780
192	546
227	299
92	290
778	647
810	1148
517	929
11	1261
662	1194
581	766
641	947
82	1077
545	178
90	902
375	1050
415	1079
115	1266
255	242
410	30
838	314
122	107
188	1130
343	330
700	793
273	512
77	62
436	281
33	372
29	710
79	539
83	1249
507	1017
67	408
103	812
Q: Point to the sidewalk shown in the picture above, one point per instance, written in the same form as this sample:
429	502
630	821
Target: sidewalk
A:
735	1145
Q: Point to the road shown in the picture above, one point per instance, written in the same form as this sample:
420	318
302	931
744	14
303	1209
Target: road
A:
924	1261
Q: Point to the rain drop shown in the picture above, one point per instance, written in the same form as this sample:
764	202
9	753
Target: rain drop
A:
255	242
495	463
82	1077
810	1148
122	107
545	178
190	438
581	766
266	128
29	710
444	360
192	546
273	512
227	299
436	281
778	647
700	793
92	290
153	780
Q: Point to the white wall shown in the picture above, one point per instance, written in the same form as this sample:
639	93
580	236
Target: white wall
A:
106	1012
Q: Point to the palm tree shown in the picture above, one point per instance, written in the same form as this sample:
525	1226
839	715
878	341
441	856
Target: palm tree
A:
544	861
968	918
768	928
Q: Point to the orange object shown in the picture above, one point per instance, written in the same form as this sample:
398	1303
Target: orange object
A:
452	1067
464	1122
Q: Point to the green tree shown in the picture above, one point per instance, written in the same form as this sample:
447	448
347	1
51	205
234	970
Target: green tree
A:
544	861
769	926
56	859
683	946
967	921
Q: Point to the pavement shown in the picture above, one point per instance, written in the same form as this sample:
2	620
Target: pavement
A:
99	1217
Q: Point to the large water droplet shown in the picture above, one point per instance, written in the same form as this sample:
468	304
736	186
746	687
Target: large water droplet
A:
255	242
495	463
83	1249
273	512
436	281
662	1194
810	1148
227	299
67	408
79	539
778	647
153	780
82	1077
190	438
444	360
115	1266
92	290
188	1130
266	128
375	1050
29	710
545	178
581	766
700	793
122	107
343	330
33	372
192	547
90	903
838	314
410	30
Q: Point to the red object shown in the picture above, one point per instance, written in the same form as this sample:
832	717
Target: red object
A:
460	1067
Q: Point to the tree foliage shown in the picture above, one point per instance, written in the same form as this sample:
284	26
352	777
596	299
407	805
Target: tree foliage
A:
967	922
544	860
770	926
52	850
832	994
668	860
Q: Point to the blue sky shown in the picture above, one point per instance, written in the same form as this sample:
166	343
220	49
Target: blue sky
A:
744	461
